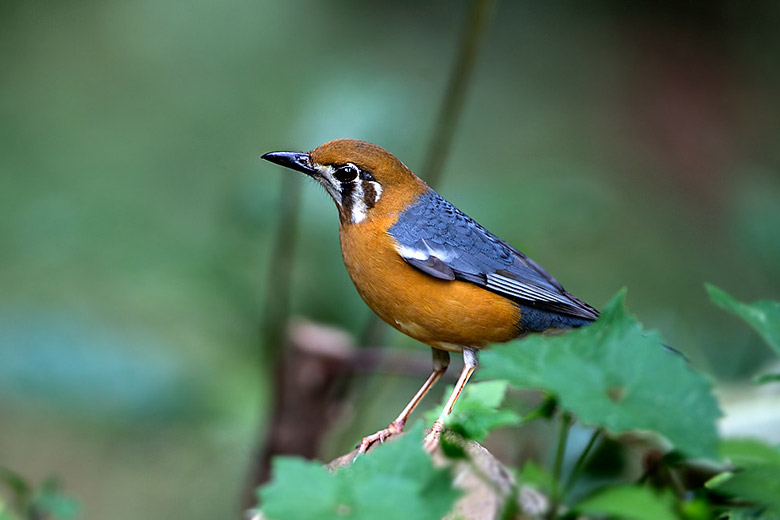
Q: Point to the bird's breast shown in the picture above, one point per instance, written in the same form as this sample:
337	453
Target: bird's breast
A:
441	313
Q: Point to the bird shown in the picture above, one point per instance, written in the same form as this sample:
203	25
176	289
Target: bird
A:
428	269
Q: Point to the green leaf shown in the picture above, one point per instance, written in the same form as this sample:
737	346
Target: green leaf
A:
757	478
5	512
628	502
742	452
758	483
51	500
537	477
748	514
763	316
48	500
615	375
696	508
452	448
396	481
477	413
286	498
19	487
766	378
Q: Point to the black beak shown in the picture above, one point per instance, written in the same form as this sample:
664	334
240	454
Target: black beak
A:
292	160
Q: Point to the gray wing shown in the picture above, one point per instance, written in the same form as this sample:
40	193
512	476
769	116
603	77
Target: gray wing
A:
442	241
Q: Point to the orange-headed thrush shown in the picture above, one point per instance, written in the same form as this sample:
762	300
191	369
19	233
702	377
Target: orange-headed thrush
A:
427	268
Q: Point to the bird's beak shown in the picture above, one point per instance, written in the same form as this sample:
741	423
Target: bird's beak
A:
294	160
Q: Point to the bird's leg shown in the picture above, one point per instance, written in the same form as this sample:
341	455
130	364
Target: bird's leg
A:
469	365
441	360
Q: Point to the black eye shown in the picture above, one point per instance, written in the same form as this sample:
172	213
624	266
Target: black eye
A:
346	173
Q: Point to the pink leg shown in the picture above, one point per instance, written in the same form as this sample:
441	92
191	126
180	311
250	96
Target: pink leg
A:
441	360
469	365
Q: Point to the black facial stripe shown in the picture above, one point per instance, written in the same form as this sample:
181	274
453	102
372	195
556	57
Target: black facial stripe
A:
369	194
346	197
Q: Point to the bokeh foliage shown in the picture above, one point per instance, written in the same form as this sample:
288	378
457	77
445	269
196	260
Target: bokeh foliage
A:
618	146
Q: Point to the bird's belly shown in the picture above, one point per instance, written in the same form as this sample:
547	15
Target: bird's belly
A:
443	314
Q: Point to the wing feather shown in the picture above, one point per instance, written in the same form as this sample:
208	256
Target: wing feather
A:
437	238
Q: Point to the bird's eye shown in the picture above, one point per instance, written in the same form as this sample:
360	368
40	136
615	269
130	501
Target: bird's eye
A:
346	173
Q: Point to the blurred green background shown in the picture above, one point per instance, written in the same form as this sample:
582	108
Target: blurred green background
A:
617	144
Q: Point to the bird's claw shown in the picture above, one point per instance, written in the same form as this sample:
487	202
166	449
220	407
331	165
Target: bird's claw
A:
431	441
393	428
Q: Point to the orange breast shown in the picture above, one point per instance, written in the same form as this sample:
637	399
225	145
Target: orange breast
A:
440	313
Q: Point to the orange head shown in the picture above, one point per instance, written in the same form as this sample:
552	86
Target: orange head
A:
363	179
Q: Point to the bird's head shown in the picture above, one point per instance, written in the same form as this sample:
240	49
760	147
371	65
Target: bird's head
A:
363	179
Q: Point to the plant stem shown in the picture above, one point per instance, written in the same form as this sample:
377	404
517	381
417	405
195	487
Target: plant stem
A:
276	311
581	460
563	437
543	411
457	86
276	315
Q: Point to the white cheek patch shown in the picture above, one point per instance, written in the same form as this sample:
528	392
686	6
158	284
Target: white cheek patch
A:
359	207
358	198
377	190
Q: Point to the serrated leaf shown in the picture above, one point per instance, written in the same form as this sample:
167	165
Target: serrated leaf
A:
476	412
757	477
396	481
300	489
629	503
758	483
615	375
763	315
741	452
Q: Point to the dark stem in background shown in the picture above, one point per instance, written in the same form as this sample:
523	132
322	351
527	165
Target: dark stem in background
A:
560	453
277	303
580	464
457	87
447	121
276	316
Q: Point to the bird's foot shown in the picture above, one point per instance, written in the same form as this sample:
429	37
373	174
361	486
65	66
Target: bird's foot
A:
431	441
393	428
